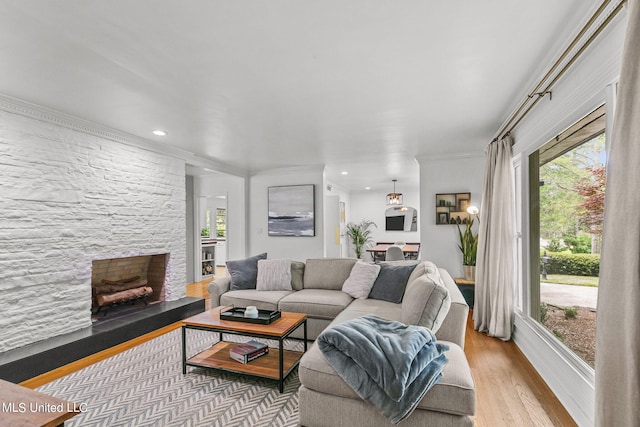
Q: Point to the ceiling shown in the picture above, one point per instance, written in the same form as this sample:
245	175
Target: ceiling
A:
363	86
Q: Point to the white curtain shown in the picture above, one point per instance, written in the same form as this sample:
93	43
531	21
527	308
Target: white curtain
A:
618	320
493	310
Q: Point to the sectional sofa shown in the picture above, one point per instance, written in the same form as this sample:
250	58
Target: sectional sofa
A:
317	290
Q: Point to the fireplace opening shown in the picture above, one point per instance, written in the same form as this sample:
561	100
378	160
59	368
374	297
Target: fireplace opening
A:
124	285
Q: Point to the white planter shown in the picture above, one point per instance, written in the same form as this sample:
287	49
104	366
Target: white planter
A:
469	272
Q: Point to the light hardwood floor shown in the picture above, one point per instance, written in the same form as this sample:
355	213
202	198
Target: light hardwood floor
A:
509	391
199	290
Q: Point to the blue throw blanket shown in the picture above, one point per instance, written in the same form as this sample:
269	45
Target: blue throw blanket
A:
390	364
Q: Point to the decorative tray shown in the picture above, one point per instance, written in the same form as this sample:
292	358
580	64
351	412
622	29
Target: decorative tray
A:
236	314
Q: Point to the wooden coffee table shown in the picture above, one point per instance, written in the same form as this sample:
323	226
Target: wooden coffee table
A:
277	364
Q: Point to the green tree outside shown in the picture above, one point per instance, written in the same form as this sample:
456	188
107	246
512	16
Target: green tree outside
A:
564	203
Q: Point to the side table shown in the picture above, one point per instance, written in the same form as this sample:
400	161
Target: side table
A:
467	287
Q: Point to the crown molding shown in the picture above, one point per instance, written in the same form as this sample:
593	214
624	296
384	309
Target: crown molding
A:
58	118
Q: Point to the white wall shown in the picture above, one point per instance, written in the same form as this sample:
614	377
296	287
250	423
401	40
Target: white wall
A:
580	91
68	197
459	174
296	248
332	226
343	196
190	229
372	205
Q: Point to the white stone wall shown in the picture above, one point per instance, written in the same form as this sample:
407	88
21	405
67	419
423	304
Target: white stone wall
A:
66	198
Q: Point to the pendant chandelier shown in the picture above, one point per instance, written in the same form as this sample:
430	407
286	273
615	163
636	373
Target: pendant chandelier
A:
394	199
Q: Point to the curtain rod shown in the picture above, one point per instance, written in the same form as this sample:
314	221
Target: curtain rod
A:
518	115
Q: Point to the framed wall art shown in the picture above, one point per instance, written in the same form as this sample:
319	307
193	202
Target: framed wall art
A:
292	210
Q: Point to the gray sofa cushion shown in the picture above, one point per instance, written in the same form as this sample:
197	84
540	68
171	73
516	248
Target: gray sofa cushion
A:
263	300
417	272
360	307
327	273
391	282
297	275
454	394
244	272
425	303
316	303
454	326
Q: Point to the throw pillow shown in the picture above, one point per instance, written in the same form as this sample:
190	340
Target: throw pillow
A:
361	279
274	275
426	303
391	282
244	272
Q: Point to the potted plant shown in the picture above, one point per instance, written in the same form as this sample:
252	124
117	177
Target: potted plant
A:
360	234
469	247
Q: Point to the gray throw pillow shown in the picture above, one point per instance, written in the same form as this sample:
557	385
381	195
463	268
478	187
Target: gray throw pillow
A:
391	282
274	275
244	272
361	279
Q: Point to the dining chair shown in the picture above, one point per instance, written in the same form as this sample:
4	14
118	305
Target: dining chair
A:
394	253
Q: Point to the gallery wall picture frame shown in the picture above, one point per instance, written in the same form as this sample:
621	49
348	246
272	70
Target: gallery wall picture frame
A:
443	218
291	211
451	208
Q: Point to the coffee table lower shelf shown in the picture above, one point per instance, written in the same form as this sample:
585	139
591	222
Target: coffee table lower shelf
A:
276	365
267	366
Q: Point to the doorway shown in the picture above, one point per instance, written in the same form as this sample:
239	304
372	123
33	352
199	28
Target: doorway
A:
210	236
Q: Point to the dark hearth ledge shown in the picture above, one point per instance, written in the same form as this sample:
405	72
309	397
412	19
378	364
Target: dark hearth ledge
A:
35	359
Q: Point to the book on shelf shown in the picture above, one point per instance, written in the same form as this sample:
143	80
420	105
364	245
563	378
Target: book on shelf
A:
246	352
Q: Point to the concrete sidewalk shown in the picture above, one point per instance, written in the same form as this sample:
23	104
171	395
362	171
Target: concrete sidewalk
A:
568	295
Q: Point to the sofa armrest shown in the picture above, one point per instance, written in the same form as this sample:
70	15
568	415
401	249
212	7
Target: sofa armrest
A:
218	287
454	326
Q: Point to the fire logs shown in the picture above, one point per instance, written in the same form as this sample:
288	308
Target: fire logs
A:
120	291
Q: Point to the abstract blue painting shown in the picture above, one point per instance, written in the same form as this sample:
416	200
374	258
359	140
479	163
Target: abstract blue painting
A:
292	210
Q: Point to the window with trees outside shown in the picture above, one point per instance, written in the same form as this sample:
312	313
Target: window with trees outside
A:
567	187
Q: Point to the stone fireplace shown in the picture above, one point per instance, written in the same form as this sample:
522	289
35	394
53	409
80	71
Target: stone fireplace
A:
76	193
148	270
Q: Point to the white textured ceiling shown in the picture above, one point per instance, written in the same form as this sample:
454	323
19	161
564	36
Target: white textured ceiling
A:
358	85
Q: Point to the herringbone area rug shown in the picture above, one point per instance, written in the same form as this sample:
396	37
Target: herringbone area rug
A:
144	386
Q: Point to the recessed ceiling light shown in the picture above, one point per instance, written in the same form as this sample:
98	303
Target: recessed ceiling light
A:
344	173
367	188
159	132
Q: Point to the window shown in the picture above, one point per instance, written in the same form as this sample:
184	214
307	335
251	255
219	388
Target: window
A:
221	223
566	190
